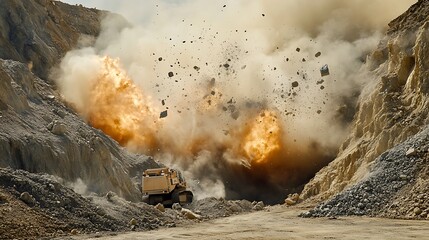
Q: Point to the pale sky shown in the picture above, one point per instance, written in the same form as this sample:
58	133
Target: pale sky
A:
115	5
111	5
136	11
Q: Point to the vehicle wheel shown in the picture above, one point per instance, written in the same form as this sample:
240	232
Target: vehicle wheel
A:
153	200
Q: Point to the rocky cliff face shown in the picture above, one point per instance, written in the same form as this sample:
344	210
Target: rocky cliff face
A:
40	32
393	107
38	131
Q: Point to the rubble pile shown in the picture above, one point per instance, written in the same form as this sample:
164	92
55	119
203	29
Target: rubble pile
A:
219	207
35	205
41	205
396	186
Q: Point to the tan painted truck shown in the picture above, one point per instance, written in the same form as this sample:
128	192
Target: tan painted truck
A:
165	186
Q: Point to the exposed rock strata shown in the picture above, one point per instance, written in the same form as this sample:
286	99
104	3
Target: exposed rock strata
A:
393	107
40	132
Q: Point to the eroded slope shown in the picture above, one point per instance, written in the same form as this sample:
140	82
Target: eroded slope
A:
393	107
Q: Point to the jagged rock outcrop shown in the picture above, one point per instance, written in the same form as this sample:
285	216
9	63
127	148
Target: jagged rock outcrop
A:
38	131
40	32
41	134
392	108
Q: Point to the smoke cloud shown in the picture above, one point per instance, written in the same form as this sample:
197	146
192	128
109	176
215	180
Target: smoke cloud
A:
230	92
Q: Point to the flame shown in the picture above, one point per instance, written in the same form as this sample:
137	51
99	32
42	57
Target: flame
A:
263	137
119	108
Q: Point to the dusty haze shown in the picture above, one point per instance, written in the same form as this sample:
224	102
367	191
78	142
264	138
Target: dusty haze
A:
247	108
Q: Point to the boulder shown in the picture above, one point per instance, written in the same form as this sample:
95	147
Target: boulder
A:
160	207
259	206
176	207
292	199
132	222
295	197
417	211
27	198
189	214
289	201
57	128
110	196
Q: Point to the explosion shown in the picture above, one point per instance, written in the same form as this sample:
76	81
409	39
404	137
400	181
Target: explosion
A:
248	110
118	107
221	143
263	137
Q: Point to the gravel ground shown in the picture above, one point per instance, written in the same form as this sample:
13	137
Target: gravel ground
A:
34	206
219	207
282	223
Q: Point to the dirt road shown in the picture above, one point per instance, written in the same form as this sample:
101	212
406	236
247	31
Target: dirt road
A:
282	223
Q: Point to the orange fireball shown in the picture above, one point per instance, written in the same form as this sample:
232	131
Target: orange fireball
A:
118	107
262	138
121	110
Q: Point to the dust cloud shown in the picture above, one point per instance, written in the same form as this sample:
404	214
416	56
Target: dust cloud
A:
230	92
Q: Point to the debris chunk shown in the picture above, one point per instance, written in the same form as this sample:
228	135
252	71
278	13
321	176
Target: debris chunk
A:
295	84
170	74
163	114
324	71
320	81
411	152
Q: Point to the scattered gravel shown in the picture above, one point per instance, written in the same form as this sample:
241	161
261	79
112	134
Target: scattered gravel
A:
219	207
395	186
